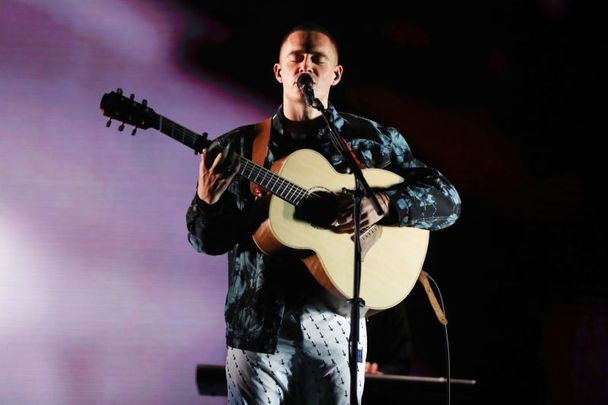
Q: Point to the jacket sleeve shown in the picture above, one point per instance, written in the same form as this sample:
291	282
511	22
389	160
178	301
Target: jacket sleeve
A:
213	229
426	199
216	229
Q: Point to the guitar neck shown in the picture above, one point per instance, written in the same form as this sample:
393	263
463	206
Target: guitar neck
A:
259	175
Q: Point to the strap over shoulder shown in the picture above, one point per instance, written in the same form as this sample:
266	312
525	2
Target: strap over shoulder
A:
260	149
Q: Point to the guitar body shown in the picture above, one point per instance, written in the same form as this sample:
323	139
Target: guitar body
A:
392	256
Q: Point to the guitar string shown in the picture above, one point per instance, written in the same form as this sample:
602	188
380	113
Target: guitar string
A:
279	182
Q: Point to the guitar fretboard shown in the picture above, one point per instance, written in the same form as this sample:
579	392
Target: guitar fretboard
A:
260	175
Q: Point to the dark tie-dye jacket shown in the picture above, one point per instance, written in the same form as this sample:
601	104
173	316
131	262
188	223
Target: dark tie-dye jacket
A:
261	286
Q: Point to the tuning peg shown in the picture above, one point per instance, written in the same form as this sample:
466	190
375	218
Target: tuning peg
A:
119	90
121	127
144	102
134	131
132	97
109	123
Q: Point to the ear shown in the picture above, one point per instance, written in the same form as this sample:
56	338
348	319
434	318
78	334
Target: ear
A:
337	75
277	72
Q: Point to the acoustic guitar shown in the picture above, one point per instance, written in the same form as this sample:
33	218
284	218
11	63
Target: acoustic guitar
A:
392	257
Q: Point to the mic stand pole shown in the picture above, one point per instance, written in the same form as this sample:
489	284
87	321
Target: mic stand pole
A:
361	190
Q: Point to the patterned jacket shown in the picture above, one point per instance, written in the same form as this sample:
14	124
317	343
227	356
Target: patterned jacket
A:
260	286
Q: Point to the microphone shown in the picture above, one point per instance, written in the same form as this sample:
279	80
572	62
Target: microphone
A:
304	83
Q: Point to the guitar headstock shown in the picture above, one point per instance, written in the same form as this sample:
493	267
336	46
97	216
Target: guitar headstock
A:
128	111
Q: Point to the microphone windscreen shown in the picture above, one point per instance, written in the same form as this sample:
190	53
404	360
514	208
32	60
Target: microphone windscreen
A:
304	80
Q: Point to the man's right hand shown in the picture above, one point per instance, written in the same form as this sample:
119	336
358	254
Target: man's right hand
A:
212	182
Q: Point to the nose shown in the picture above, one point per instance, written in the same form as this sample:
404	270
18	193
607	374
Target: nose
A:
305	64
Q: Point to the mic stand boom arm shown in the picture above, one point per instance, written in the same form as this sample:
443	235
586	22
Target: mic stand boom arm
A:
362	189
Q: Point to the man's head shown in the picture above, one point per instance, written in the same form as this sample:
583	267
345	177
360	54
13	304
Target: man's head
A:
311	27
308	48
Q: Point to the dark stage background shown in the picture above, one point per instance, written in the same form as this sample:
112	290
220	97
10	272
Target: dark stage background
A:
494	94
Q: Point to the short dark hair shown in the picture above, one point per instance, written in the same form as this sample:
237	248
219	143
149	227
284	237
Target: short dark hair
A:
311	27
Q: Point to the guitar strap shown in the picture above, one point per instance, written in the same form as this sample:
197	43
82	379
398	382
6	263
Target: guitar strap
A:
424	280
259	150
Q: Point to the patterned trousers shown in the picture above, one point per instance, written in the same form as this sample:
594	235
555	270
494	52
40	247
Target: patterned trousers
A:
310	365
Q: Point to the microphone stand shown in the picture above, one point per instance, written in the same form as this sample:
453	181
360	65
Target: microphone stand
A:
361	190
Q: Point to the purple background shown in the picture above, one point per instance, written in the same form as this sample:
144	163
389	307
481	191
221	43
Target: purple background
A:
102	300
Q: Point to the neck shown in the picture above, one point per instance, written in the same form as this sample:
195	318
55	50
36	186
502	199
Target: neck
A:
299	111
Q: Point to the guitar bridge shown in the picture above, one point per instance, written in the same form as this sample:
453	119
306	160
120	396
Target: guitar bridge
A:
369	236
